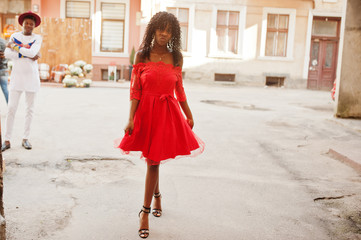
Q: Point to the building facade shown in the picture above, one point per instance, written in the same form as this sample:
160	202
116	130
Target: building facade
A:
277	43
115	27
291	43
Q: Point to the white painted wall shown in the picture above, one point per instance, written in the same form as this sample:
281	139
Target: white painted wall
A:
249	65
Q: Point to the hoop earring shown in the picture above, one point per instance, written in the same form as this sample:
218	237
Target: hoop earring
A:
169	44
152	42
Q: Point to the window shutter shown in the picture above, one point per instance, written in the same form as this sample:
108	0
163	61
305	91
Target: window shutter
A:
112	36
113	11
76	9
113	16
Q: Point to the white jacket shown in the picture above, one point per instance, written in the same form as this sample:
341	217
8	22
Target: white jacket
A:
25	73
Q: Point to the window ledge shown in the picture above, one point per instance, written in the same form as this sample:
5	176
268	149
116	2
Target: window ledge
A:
224	55
284	59
225	82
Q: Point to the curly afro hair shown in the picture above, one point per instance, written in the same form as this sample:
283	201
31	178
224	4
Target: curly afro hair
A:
160	21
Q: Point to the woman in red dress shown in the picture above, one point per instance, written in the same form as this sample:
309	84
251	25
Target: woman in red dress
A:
157	128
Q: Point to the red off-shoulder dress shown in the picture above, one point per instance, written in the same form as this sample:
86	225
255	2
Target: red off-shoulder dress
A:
160	129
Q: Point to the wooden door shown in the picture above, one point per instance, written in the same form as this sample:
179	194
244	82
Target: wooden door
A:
328	67
323	53
314	65
322	66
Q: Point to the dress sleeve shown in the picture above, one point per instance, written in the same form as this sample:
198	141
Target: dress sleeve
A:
179	90
135	83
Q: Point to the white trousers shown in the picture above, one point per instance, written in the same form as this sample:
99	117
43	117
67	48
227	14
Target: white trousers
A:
14	97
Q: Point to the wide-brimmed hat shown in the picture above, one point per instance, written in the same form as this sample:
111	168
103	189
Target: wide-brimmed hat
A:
30	13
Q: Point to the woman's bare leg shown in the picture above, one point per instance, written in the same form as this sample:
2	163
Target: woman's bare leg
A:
157	201
151	180
156	189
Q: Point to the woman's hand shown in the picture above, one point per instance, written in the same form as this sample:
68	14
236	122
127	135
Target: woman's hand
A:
190	122
129	128
133	108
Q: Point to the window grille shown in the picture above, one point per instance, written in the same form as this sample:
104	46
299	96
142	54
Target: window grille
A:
224	77
275	81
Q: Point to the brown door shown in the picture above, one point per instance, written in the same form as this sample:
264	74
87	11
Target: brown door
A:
323	55
322	66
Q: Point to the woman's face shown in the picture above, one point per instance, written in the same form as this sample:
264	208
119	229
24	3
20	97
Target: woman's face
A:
28	26
162	37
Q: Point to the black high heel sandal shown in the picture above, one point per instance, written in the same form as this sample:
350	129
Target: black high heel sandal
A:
156	211
144	233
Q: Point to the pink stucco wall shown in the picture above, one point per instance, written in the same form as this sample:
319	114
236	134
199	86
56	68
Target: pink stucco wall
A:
36	2
134	32
50	8
100	63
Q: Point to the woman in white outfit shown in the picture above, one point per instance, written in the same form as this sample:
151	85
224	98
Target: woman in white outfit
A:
23	49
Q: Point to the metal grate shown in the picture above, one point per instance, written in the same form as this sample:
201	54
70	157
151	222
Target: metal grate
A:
275	81
224	77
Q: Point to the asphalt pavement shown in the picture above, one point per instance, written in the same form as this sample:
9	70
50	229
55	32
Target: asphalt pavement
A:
277	165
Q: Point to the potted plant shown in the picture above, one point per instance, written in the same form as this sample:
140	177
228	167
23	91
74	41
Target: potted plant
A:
131	61
86	82
68	81
87	68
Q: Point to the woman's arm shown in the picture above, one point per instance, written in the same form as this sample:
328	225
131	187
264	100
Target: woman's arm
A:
184	104
133	105
187	112
133	108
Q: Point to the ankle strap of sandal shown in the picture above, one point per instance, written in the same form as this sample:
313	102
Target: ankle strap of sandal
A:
157	195
146	209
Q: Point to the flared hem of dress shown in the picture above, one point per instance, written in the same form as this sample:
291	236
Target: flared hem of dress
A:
139	154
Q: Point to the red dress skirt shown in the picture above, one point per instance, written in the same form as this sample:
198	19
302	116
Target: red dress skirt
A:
161	131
